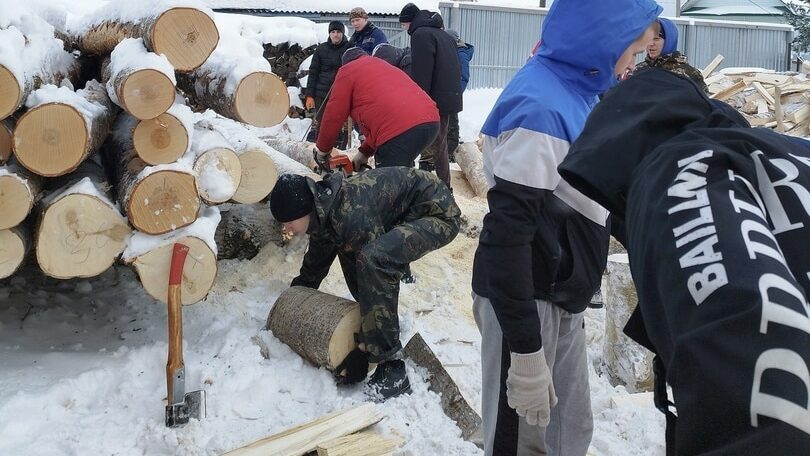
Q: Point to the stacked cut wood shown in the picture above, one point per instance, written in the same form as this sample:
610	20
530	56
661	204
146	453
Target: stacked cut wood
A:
780	101
286	59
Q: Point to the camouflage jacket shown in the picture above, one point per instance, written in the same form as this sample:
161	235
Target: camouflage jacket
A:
351	212
676	63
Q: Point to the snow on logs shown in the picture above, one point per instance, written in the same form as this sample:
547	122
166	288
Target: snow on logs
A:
165	138
237	82
318	326
19	190
185	34
216	166
151	257
14	245
80	231
156	199
30	56
140	82
61	128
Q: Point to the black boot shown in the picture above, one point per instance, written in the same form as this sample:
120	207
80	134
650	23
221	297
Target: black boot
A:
388	380
408	277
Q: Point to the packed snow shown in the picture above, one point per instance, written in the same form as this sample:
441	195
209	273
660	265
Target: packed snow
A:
203	228
50	93
85	186
274	30
100	11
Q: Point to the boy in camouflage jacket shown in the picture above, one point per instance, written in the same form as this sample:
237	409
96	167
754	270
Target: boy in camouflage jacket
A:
376	223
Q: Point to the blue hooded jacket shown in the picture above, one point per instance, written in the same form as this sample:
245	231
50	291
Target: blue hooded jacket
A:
670	35
542	239
465	55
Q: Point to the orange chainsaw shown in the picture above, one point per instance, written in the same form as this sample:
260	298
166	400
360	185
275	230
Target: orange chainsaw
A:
337	162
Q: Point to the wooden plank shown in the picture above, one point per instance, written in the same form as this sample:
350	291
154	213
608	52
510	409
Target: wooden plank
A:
637	400
780	126
306	437
714	78
760	121
771	78
729	92
712	65
361	444
767	96
762	107
800	115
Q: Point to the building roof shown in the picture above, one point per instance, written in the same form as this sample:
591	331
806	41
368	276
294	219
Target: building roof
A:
734	7
373	7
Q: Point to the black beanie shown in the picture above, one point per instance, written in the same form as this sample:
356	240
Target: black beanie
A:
291	198
351	54
408	13
337	25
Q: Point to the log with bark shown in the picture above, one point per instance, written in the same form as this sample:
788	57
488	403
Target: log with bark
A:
185	35
239	85
6	139
80	232
19	191
300	151
470	160
318	326
30	56
216	166
165	138
140	82
14	246
156	199
62	128
151	257
245	229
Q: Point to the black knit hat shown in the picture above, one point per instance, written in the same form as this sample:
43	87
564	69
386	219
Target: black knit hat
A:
408	13
337	25
351	54
291	198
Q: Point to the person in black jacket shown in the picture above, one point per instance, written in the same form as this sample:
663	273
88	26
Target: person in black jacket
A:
435	67
717	218
366	35
325	64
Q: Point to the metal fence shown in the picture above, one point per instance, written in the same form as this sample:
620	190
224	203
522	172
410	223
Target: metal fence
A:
503	38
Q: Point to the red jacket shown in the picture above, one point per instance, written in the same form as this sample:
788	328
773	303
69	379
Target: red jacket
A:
380	98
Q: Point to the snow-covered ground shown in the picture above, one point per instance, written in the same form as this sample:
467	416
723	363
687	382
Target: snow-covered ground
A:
82	362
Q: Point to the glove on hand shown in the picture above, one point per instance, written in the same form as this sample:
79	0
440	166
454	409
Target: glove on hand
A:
309	103
356	367
529	389
359	160
322	159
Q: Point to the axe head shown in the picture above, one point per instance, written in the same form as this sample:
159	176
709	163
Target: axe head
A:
193	406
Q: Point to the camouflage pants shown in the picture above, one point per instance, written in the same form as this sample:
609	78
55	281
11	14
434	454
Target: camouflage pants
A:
379	266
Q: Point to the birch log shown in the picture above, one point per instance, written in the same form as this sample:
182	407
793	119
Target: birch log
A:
216	166
62	128
186	36
19	190
165	138
6	139
470	160
300	151
80	232
156	199
318	326
14	246
140	82
239	86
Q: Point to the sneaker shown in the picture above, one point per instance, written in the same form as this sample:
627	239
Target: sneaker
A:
388	380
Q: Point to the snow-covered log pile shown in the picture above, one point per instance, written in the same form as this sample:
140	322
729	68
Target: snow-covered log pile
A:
765	98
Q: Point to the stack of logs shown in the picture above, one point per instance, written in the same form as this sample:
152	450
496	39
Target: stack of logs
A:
124	163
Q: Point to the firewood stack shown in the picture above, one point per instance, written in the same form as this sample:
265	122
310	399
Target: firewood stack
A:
101	155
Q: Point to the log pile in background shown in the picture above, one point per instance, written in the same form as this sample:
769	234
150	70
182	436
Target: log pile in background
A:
286	59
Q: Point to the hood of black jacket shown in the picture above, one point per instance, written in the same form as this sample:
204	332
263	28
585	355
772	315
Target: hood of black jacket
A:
634	118
325	192
426	18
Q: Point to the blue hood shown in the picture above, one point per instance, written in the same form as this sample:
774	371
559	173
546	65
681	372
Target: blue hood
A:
577	33
670	36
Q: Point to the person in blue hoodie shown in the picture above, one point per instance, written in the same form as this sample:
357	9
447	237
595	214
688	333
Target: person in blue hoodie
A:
543	245
662	52
465	55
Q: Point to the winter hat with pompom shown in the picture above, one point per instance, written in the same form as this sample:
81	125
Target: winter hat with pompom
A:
291	198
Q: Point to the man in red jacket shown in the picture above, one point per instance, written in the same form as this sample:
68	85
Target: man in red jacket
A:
397	118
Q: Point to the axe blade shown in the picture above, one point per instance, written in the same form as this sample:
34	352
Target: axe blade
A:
193	406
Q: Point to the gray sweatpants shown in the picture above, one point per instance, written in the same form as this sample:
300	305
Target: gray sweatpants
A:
507	434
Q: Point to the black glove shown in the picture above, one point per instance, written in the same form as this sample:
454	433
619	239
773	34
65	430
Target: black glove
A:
322	160
355	366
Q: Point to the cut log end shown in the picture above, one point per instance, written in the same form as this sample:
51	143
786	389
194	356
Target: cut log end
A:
163	201
259	176
80	236
187	36
218	174
10	93
198	273
12	252
262	100
16	201
161	140
146	94
6	139
51	139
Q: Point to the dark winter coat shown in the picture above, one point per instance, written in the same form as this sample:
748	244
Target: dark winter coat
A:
717	223
465	55
324	67
367	38
435	62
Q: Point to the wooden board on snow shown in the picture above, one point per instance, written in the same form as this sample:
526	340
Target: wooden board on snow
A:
360	444
712	65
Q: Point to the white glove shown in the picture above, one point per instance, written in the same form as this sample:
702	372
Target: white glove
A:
358	160
529	389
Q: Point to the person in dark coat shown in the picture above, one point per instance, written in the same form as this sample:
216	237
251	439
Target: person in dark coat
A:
465	55
717	218
325	63
376	223
366	35
436	69
399	57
